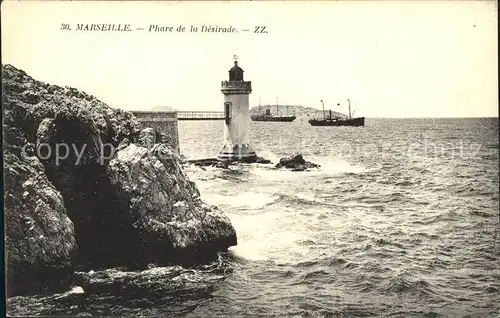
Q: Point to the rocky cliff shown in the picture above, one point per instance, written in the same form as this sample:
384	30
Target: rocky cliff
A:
87	186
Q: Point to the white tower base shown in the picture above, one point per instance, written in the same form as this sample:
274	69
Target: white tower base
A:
245	153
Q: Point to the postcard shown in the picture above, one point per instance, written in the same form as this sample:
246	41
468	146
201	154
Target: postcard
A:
251	159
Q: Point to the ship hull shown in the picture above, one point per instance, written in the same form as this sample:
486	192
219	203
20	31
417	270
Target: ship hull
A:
274	119
356	122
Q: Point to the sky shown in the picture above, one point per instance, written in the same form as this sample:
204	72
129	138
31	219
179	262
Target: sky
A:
391	59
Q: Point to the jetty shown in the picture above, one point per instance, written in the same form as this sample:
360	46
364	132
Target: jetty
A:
201	115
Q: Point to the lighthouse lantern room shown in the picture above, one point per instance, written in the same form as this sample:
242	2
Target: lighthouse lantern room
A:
236	111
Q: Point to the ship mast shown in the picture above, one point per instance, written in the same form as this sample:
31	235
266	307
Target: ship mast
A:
277	111
323	104
349	101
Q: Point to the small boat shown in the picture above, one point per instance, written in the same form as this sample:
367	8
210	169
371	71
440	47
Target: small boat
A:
338	121
267	116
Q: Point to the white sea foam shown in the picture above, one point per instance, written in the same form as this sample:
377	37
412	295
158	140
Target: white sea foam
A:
265	236
335	165
247	199
307	196
269	155
329	166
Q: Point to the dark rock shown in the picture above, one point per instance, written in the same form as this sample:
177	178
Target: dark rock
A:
147	138
14	139
262	160
162	280
113	125
209	162
299	168
296	163
206	162
224	164
123	144
39	236
291	161
168	215
122	198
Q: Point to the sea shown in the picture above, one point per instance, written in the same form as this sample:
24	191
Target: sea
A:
401	220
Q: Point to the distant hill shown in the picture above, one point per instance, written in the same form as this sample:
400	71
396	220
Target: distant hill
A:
162	108
297	110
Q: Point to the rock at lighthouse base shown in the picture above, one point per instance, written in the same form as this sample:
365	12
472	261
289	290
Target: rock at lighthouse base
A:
236	153
224	164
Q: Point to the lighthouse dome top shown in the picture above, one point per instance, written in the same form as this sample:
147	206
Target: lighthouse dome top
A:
236	72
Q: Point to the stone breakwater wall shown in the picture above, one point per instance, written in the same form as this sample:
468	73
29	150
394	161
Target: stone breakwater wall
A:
165	122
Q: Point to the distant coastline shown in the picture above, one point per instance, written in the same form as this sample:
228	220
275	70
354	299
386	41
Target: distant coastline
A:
297	110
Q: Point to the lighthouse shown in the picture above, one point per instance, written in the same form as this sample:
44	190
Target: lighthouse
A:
236	100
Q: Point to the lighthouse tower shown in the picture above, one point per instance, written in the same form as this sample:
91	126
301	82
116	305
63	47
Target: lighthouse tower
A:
236	99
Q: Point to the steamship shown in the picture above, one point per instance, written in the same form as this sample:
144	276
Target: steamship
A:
267	116
336	120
